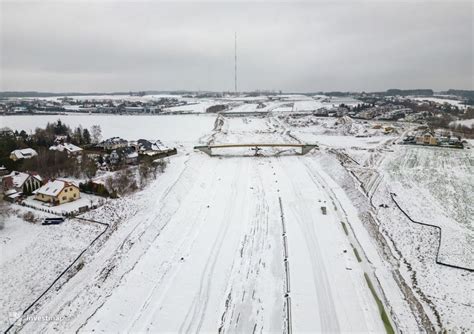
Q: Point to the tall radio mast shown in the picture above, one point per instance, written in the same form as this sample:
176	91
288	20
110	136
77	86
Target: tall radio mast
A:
235	63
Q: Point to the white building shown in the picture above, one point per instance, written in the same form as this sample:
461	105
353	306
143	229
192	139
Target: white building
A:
69	148
26	153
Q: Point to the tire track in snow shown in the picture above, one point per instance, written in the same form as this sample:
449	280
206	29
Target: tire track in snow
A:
120	251
196	313
244	308
302	213
367	266
168	269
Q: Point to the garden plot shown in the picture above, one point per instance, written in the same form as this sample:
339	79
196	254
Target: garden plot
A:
85	202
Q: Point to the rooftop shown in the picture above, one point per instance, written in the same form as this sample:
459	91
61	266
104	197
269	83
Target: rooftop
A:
53	188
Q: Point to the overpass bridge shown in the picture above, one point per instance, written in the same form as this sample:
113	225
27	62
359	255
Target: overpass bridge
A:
305	148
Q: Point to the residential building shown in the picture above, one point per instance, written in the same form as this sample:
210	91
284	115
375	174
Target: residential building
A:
21	182
57	192
5	132
3	170
69	148
26	153
113	143
131	157
426	139
114	158
143	145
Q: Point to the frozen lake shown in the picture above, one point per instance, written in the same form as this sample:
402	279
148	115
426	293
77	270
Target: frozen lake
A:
183	129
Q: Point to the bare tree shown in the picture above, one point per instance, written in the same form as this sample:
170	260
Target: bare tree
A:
3	214
96	133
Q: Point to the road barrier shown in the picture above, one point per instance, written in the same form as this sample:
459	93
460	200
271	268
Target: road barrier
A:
286	264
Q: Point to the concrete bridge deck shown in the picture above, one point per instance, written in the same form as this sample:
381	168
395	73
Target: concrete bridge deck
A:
305	148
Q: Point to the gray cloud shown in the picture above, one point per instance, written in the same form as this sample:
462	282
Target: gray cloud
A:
303	46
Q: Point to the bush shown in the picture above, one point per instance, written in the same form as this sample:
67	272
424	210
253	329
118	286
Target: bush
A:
4	213
29	217
94	188
129	180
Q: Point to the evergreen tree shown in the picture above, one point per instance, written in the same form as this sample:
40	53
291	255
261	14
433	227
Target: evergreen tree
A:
86	137
77	136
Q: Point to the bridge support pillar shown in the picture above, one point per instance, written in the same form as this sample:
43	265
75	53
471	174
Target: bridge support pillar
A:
205	149
306	148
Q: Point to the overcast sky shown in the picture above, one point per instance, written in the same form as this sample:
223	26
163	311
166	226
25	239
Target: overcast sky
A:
300	47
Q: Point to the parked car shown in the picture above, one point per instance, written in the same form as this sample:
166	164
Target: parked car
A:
53	221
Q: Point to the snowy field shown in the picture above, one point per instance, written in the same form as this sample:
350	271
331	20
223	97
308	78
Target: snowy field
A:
106	97
456	103
466	122
170	129
32	256
282	103
434	186
198	106
280	242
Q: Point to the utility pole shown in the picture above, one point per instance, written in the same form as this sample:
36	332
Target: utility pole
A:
235	63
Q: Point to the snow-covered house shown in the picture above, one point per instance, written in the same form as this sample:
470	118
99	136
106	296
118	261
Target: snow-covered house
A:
131	158
59	139
113	143
147	147
69	148
21	182
6	132
57	192
12	195
25	153
427	138
3	170
114	157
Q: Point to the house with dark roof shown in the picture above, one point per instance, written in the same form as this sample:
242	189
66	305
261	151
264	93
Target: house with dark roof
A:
21	182
113	143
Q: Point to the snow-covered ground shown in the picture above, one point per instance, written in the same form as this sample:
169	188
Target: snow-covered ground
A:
198	106
466	122
170	129
234	243
32	256
204	252
456	103
107	97
434	186
85	201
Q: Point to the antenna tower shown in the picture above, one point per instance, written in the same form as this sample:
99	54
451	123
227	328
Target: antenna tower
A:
235	63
